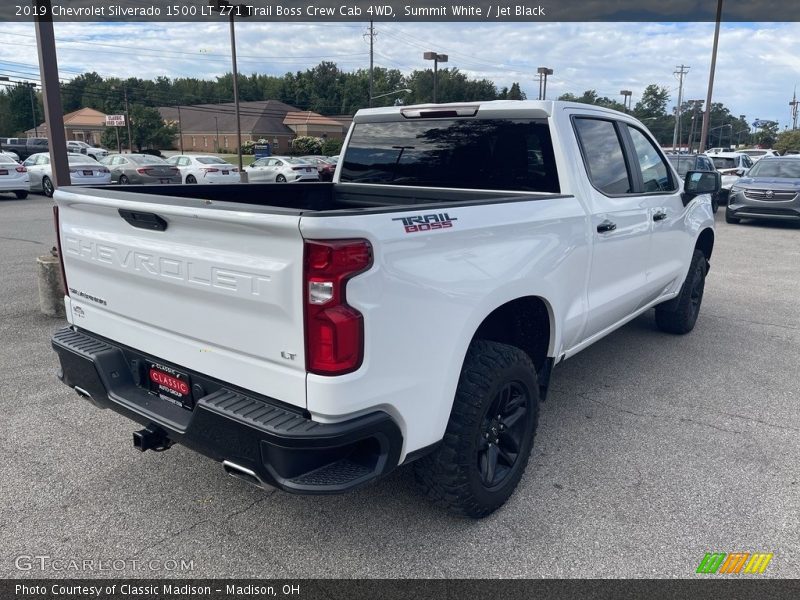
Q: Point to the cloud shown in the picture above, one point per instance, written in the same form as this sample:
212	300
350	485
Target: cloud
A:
756	70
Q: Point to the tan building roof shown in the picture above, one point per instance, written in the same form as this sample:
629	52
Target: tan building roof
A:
85	117
307	117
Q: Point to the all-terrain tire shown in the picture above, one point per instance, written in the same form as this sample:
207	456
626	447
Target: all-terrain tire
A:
679	315
454	475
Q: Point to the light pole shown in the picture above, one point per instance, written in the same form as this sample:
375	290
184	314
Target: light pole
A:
30	87
400	91
707	112
626	99
543	73
436	58
240	9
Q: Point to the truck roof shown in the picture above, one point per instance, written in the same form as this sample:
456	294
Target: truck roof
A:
501	108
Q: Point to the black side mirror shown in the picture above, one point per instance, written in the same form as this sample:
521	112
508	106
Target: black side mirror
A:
700	182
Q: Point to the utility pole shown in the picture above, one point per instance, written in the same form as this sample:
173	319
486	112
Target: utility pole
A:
794	104
51	92
371	35
180	129
543	73
128	119
33	109
680	72
707	112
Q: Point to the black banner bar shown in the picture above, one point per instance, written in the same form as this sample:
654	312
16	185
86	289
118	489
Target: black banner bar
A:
463	589
489	11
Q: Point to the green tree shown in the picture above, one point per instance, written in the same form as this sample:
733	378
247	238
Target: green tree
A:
788	140
515	93
147	129
767	135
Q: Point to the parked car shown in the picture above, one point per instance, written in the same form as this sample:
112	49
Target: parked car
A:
13	155
732	166
14	177
684	163
757	154
196	168
325	167
316	336
140	168
771	190
84	148
24	147
82	171
281	169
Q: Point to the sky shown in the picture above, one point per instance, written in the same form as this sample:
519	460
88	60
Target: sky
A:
758	64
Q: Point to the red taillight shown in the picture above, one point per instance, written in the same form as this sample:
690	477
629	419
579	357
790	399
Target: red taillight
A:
298	168
21	169
143	171
60	253
334	330
210	170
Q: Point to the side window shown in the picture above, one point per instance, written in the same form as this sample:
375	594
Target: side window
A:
748	162
43	160
655	174
603	156
183	161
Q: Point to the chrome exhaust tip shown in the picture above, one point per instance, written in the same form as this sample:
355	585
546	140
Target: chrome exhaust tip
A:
245	474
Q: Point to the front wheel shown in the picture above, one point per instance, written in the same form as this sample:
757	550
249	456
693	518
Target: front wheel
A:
190	179
123	180
489	437
47	187
21	194
280	179
679	315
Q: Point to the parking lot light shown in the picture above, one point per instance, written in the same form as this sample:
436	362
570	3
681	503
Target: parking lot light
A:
436	58
223	6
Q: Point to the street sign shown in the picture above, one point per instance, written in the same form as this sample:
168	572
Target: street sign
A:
115	120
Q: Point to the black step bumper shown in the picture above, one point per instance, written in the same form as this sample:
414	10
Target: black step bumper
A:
277	443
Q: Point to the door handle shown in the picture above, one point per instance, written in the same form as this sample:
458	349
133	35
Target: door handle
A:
659	216
606	226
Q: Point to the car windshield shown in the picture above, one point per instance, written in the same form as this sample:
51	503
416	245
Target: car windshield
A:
721	162
81	160
682	165
781	169
211	160
146	159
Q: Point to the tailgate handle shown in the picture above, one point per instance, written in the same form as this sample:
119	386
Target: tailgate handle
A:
143	220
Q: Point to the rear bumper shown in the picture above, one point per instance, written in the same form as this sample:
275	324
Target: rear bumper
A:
277	443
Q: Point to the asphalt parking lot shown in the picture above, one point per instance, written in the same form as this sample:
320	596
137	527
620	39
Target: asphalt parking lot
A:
652	450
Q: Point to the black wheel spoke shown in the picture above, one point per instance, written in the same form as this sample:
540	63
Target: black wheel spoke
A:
509	441
489	464
507	457
512	419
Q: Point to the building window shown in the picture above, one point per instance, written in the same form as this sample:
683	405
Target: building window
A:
205	142
193	145
226	141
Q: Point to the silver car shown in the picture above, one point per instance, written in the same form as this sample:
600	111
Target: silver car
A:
82	171
281	169
771	190
140	168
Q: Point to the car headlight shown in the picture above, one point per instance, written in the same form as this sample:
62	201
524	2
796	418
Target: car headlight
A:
736	188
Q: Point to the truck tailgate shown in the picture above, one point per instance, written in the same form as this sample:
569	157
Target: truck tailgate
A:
217	291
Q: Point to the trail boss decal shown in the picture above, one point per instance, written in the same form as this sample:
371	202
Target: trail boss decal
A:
427	222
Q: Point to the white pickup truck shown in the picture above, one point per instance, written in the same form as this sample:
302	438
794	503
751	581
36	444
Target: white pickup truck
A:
314	336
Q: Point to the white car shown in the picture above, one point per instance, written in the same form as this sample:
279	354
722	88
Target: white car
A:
84	148
756	154
82	171
196	168
731	166
281	169
14	177
10	154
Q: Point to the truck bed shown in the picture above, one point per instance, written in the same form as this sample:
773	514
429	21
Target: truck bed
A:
307	199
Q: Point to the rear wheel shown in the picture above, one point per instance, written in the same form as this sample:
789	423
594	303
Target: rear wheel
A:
280	179
47	187
190	179
21	194
123	180
490	434
679	315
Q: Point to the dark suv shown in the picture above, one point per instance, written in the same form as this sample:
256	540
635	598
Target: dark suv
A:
684	163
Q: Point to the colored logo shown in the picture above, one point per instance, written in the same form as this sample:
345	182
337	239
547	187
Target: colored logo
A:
734	563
